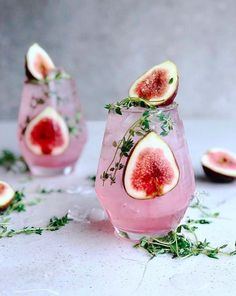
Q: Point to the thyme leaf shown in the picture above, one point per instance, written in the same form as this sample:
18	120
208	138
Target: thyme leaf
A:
12	162
54	224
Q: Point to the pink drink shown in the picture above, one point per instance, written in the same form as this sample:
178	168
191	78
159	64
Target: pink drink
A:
59	98
134	218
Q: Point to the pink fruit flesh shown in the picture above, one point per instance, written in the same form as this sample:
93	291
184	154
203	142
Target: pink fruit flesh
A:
47	134
41	65
152	172
155	85
2	189
222	160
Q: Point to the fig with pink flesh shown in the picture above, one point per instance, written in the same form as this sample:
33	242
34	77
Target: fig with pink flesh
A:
38	64
151	169
219	165
6	195
47	133
158	85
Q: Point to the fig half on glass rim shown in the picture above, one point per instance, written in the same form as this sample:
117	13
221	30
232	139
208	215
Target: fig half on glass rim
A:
159	85
219	165
38	63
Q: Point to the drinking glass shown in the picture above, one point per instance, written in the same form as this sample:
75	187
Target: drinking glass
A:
135	218
57	99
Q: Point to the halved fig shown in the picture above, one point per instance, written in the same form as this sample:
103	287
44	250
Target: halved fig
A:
38	63
158	85
47	133
219	165
151	169
6	195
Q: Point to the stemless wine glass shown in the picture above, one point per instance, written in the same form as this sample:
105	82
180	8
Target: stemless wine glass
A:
135	218
51	127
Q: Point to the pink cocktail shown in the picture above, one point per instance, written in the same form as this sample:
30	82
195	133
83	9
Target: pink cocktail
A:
51	128
133	209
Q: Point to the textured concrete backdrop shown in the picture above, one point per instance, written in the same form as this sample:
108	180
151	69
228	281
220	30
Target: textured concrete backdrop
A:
106	44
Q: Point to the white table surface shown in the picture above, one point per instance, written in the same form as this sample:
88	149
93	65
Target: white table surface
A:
85	258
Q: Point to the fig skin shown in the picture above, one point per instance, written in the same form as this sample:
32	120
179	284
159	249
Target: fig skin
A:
4	207
6	187
217	177
28	74
170	100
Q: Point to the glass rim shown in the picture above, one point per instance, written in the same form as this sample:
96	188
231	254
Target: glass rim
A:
38	82
172	106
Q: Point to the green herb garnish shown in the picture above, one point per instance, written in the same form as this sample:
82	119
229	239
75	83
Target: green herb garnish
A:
17	204
53	225
73	124
139	128
48	191
171	80
92	179
177	244
12	162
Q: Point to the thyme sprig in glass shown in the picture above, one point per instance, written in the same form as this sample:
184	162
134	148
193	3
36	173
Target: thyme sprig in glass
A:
139	128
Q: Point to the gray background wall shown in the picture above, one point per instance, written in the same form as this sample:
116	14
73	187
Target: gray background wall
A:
106	44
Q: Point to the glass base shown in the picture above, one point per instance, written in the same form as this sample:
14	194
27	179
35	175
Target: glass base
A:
48	172
135	236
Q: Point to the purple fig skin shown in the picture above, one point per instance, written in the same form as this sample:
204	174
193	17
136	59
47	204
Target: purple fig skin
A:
217	177
28	74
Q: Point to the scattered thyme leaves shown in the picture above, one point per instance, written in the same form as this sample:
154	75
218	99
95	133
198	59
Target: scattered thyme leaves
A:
12	162
178	244
49	191
54	224
92	179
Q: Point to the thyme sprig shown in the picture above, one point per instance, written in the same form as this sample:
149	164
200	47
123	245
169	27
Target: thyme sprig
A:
73	123
12	162
42	190
204	210
178	244
139	128
54	224
17	205
127	103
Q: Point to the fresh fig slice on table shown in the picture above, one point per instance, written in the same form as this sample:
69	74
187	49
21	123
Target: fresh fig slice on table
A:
38	63
219	165
158	85
47	133
6	195
151	169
